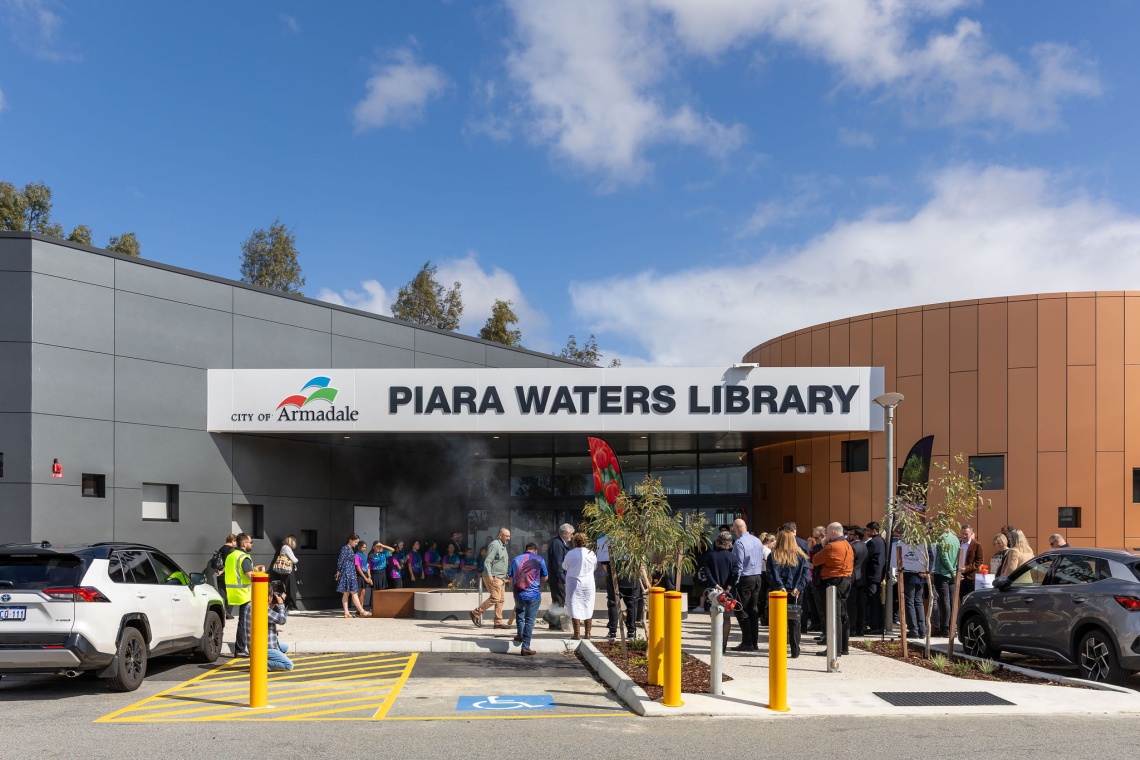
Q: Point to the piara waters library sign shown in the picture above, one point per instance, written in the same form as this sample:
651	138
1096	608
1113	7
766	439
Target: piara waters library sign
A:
641	399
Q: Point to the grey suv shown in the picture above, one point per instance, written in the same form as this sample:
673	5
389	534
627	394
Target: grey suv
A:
1079	606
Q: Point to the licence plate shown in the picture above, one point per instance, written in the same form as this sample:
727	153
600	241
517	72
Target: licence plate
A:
13	613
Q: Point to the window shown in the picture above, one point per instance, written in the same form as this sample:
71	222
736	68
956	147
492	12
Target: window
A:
532	477
724	472
137	567
2	465
1068	517
308	540
487	477
573	476
115	569
1135	481
678	472
94	486
160	502
249	519
168	572
991	470
1033	572
1074	569
788	464
856	456
35	571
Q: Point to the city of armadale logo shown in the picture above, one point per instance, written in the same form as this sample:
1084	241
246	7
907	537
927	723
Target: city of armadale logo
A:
317	389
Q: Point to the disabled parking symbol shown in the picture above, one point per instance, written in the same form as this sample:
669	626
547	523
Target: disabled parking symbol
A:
506	703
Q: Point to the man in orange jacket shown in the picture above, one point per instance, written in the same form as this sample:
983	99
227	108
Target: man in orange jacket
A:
836	561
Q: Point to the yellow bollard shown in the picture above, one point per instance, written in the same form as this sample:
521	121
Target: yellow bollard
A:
672	676
259	640
656	648
778	651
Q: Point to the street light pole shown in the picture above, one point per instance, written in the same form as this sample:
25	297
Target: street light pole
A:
889	401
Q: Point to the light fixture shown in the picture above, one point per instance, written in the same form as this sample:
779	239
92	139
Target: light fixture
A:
745	365
802	468
495	437
347	437
644	437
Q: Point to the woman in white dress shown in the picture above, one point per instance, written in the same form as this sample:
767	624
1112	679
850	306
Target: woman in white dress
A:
579	566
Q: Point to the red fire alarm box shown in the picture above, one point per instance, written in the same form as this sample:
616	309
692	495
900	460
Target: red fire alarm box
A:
56	469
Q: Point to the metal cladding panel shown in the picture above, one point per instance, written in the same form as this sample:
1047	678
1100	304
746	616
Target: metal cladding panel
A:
280	467
350	352
72	264
260	344
1082	445
63	515
16	511
154	393
451	346
1109	374
190	535
15	443
81	445
156	329
432	361
74	383
373	329
15	306
151	454
280	308
133	277
15	254
711	399
505	357
15	377
73	314
1021	459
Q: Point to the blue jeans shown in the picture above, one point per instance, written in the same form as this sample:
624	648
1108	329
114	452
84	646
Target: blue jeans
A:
915	611
277	659
525	612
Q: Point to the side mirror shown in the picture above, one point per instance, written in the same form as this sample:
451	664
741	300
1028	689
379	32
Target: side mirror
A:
197	579
1002	583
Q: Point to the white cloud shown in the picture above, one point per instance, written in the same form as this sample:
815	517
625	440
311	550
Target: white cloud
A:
853	138
597	79
291	24
374	298
2	101
802	199
35	27
983	232
398	92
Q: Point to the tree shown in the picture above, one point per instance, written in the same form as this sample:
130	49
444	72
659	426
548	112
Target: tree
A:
498	325
587	354
924	524
646	537
269	259
28	209
126	244
81	234
425	302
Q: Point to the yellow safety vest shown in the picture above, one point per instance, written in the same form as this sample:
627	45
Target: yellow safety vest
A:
238	584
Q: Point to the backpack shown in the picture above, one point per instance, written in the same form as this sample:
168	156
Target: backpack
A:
216	562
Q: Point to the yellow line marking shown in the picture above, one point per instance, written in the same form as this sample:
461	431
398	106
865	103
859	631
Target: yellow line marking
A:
245	689
381	713
287	675
325	675
163	693
267	710
230	705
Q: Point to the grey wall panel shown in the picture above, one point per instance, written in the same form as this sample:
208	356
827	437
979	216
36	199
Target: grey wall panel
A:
15	377
187	458
279	467
172	332
62	515
154	393
268	345
15	512
81	445
61	261
431	360
71	382
16	445
273	308
354	473
15	255
375	330
151	281
15	306
504	357
203	522
451	346
352	353
72	314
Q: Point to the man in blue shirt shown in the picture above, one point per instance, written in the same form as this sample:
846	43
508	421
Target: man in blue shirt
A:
749	552
527	572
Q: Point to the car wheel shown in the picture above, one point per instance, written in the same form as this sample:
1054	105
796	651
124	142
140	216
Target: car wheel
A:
1096	657
210	647
976	639
130	662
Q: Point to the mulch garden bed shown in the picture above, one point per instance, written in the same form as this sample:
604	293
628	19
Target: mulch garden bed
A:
915	649
694	673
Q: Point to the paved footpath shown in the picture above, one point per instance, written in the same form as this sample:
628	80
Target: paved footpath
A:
811	690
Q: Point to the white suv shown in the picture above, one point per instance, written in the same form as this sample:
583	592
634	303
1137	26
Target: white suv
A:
102	607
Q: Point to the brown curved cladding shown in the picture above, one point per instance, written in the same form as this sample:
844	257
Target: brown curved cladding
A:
1051	382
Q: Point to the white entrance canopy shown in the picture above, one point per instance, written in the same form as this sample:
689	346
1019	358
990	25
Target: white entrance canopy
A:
741	398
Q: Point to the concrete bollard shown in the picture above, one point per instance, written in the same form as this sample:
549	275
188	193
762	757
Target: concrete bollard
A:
259	640
672	679
656	634
716	654
778	651
832	629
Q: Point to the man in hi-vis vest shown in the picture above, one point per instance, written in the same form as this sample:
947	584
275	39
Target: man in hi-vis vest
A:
239	593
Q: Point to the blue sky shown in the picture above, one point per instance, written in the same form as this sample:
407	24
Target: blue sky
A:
683	178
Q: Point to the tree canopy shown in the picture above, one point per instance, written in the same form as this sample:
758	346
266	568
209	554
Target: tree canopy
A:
126	244
588	353
498	327
269	259
28	209
424	301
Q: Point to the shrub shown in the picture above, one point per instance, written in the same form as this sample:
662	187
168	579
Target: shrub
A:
939	661
961	667
987	667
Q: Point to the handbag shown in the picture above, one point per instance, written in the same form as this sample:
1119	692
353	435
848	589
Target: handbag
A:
794	611
282	565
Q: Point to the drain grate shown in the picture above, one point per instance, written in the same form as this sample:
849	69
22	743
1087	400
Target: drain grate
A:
941	698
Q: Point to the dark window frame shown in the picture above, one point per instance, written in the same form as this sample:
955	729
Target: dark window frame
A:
99	487
171	503
856	455
992	483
